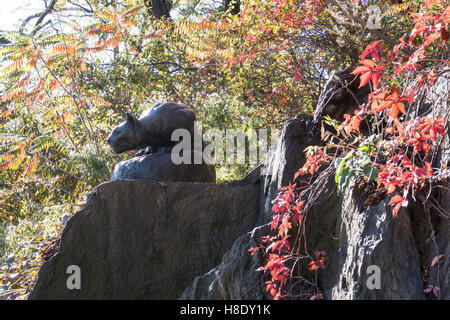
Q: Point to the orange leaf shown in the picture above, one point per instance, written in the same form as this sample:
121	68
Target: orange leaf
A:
437	259
391	189
365	78
5	114
396	199
360	69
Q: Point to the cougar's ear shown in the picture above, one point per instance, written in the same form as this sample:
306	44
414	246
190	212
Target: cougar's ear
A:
132	120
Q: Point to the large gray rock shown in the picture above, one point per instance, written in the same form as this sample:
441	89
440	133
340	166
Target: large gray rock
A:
147	240
288	156
354	235
235	278
341	94
160	167
439	274
372	237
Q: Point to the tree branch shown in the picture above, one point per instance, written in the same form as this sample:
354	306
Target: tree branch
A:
41	16
378	33
81	7
47	11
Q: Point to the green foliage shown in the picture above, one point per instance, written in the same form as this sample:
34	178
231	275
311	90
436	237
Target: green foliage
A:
357	163
228	173
22	244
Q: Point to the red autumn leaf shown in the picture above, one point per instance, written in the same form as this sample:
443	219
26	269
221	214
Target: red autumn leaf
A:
253	250
420	28
279	296
398	202
279	273
390	188
390	130
298	206
372	49
319	262
431	77
369	71
420	79
396	209
311	164
429	129
274	259
278	245
396	108
429	168
352	123
423	172
271	288
396	199
297	210
284	226
275	220
392	101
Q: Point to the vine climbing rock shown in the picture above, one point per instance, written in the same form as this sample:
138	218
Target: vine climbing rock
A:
362	242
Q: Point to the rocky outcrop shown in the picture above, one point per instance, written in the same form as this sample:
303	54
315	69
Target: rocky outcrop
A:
363	236
341	94
354	235
283	161
144	239
235	278
439	275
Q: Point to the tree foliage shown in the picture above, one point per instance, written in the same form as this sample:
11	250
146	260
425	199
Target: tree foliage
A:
398	155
